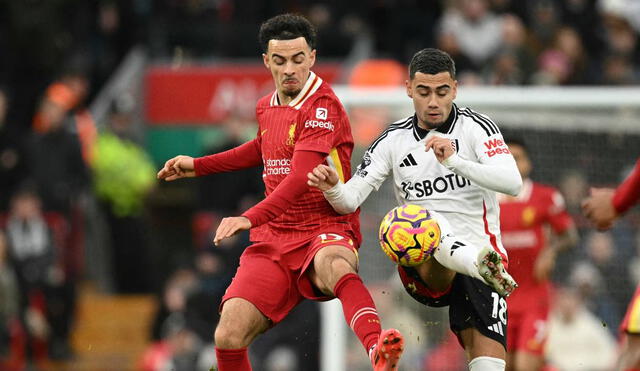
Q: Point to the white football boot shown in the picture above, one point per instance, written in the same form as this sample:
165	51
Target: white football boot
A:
492	270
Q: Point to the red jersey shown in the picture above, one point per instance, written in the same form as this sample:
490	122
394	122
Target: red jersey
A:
523	223
314	121
628	193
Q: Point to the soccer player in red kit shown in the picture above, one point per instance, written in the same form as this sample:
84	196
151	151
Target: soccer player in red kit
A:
302	248
603	208
524	221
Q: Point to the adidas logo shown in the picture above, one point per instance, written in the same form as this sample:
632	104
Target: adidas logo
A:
497	328
409	161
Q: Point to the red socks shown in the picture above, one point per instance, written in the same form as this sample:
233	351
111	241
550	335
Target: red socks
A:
233	359
359	309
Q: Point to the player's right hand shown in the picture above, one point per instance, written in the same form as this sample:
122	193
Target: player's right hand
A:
176	168
322	177
599	208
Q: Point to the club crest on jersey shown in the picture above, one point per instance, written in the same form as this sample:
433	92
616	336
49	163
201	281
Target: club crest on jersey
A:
292	133
528	216
366	161
321	113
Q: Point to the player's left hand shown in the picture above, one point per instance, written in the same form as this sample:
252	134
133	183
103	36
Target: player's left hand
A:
599	208
442	147
230	226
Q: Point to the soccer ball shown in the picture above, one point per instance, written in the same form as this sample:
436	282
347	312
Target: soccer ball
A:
409	235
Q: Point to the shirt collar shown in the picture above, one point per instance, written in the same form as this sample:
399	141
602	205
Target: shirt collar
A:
310	86
446	128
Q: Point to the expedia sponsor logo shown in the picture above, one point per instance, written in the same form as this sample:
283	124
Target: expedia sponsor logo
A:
278	166
427	187
319	124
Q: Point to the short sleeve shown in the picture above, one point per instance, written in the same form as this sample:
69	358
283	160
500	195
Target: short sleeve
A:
321	126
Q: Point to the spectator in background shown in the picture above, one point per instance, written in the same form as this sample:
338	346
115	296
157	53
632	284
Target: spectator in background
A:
512	62
543	22
123	174
334	39
577	340
465	68
608	260
56	156
477	30
47	295
176	342
12	155
574	188
9	298
621	52
583	16
564	62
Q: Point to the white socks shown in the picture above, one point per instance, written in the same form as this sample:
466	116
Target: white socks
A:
487	364
456	254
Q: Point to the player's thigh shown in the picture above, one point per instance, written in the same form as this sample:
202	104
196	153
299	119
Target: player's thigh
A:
479	316
240	321
335	255
266	283
436	276
420	291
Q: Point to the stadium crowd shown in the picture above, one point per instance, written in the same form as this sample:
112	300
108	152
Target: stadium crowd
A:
56	161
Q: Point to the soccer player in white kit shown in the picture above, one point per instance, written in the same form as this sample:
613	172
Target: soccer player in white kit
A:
452	161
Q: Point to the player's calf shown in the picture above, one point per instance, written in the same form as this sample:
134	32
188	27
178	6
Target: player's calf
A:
385	355
493	272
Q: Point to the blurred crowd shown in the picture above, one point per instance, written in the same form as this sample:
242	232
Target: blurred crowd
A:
57	163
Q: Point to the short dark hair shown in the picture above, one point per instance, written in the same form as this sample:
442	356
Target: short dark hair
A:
286	27
518	142
431	61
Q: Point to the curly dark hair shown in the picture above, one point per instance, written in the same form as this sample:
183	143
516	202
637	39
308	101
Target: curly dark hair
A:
431	61
286	27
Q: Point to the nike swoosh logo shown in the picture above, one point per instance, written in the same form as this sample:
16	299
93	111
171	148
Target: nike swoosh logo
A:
263	131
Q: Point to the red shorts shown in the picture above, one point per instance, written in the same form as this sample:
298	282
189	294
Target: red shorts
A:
631	322
275	282
528	330
415	287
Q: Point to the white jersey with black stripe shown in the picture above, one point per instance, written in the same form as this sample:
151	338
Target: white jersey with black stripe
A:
462	188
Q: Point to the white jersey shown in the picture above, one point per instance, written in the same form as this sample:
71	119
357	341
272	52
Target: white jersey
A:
462	188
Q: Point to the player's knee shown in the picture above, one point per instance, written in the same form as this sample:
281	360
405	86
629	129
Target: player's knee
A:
341	265
231	337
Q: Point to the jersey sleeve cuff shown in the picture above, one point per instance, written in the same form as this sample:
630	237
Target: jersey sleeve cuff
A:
452	161
197	166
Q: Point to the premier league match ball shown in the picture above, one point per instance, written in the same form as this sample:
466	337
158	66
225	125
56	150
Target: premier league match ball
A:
409	235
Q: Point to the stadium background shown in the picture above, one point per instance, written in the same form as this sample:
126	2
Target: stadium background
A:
139	277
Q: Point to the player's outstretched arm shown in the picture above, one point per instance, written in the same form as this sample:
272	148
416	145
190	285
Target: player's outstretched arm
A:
178	167
345	198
